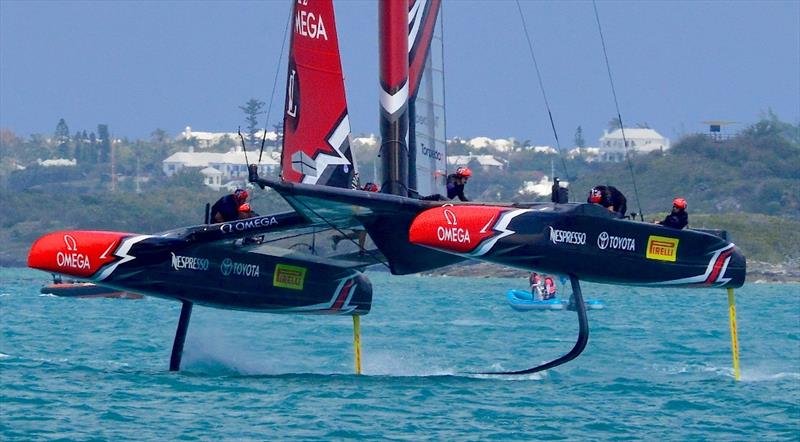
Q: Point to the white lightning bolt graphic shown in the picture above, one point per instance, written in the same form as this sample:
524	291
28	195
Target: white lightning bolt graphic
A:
122	252
502	226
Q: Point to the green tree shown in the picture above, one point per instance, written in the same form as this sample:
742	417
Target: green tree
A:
104	144
61	135
579	141
614	124
159	136
188	178
252	109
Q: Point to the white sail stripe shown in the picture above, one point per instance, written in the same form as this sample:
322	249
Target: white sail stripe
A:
122	252
393	103
415	16
340	134
323	160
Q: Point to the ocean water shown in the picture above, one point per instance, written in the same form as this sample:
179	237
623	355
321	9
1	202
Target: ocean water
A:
657	366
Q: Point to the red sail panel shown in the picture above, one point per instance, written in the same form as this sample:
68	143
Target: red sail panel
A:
316	143
421	21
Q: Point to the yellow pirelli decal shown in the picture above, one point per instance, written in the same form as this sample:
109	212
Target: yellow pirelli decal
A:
289	277
662	248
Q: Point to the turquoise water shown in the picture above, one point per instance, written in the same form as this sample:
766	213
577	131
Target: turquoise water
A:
657	366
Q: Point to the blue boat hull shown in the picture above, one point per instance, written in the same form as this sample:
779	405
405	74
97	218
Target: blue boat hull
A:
522	300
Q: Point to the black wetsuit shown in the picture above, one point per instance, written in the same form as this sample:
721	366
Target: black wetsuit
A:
454	189
676	220
611	196
227	207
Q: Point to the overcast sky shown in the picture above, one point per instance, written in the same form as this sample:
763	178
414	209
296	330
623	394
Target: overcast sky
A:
142	65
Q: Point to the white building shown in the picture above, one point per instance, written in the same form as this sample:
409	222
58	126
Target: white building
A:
612	147
58	162
486	161
217	167
212	177
542	187
208	139
500	144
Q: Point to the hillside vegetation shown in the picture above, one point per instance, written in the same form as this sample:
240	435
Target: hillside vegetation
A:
754	172
747	184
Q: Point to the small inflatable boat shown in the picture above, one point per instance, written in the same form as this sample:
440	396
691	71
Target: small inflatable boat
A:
522	300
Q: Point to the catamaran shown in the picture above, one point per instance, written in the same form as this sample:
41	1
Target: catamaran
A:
199	264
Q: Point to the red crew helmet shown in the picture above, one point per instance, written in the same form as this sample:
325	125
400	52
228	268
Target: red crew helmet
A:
595	196
371	187
679	203
241	195
463	171
244	207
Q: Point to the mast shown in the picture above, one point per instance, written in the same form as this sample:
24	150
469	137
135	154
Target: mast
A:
393	31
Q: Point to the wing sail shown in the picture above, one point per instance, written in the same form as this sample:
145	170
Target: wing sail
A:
428	155
316	143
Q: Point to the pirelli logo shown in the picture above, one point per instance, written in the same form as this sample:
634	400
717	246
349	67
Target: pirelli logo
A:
662	248
289	277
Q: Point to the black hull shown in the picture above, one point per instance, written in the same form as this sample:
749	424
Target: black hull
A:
215	274
223	277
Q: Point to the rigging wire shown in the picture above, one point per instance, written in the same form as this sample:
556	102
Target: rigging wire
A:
619	115
444	87
244	146
371	255
274	85
541	87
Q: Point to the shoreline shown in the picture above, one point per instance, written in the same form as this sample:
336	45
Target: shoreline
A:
757	272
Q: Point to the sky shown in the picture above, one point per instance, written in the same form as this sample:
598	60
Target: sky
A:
142	65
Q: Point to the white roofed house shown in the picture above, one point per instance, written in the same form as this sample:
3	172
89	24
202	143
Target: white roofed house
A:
487	162
212	177
612	146
207	139
217	167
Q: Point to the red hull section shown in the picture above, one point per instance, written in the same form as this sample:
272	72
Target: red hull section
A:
456	229
75	253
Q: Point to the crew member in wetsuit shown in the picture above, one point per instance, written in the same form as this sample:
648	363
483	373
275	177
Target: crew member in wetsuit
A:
678	219
609	197
455	186
227	207
456	182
